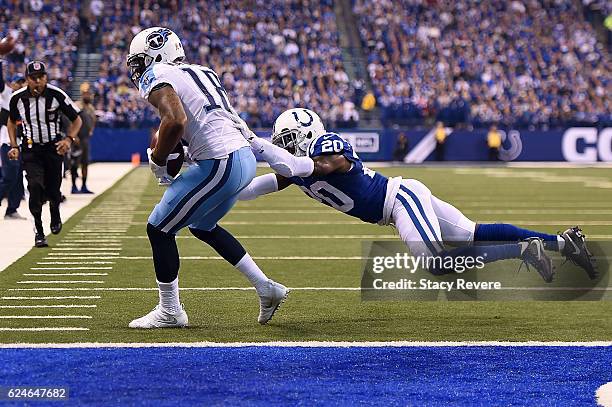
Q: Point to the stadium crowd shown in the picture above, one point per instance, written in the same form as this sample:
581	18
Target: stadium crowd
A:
269	54
44	30
519	63
530	63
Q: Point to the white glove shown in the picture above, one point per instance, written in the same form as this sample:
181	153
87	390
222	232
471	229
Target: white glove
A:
160	171
187	158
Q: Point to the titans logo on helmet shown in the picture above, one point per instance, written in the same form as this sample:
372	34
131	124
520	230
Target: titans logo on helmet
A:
158	38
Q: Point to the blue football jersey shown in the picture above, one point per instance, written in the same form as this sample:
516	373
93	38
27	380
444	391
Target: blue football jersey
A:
359	192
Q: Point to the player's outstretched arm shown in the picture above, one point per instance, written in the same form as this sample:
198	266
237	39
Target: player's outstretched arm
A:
173	121
262	185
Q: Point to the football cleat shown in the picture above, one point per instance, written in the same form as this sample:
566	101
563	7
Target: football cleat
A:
532	253
55	229
575	250
270	299
159	318
40	240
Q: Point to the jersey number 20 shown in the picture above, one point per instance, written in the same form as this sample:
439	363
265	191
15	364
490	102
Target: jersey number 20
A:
330	195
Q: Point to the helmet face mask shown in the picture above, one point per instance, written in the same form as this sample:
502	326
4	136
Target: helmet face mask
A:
294	130
137	64
291	140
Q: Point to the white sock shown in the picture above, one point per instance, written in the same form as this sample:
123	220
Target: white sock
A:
169	296
561	243
247	266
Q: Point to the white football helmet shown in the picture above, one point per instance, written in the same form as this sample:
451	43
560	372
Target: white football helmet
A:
153	45
294	129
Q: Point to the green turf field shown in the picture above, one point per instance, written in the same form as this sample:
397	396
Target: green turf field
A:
302	244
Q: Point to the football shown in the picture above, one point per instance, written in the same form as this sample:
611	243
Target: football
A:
6	45
173	164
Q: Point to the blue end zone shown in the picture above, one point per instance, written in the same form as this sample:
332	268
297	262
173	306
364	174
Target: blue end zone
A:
272	375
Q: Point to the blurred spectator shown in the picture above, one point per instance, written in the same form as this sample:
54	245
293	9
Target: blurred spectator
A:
494	143
80	153
466	61
369	102
270	55
401	147
45	30
440	135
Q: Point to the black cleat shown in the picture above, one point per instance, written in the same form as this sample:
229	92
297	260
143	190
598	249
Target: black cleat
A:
40	240
575	250
55	229
532	252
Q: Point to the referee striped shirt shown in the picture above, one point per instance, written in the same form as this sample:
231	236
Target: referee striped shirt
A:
41	115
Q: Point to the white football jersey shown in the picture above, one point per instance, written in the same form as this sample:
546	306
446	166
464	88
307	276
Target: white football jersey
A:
210	133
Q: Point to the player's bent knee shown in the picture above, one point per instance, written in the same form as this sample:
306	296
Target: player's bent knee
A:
156	235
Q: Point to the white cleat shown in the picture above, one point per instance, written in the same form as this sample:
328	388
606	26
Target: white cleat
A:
158	318
272	297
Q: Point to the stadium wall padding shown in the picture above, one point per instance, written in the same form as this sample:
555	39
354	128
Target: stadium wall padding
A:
584	144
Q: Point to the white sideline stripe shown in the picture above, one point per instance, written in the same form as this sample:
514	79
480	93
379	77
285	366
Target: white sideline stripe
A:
61	282
65	274
45	317
49	306
45	329
306	344
68	297
75	262
71	268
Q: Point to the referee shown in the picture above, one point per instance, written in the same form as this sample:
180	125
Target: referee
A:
39	107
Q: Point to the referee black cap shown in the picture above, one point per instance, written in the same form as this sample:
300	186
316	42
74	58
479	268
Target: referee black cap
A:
35	67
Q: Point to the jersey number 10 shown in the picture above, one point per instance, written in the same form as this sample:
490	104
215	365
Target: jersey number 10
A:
217	88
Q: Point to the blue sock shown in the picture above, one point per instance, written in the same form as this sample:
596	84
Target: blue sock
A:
488	254
503	232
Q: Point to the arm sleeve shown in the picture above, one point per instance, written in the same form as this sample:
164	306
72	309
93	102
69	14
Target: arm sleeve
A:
281	161
2	83
13	110
68	107
264	184
4	115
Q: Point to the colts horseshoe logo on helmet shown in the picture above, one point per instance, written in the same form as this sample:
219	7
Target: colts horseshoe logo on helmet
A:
304	124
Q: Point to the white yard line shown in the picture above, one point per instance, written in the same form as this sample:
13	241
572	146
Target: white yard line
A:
45	317
61	282
71	268
93	248
64	274
68	297
74	262
61	329
309	344
50	306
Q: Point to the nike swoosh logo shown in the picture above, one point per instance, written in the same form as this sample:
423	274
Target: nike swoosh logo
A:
171	321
